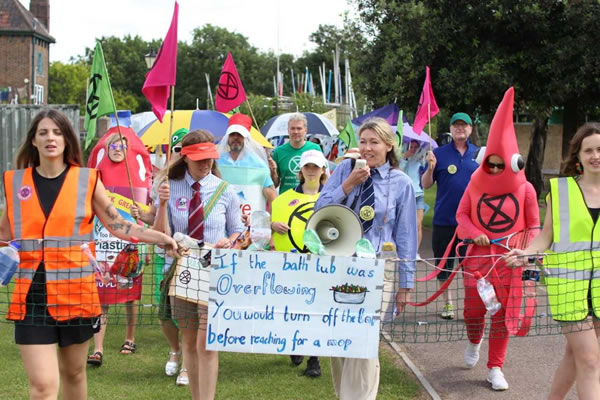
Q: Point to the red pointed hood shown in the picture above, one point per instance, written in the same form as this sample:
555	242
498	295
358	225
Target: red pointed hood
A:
502	141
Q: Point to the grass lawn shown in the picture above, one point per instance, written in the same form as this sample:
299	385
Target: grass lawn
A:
141	375
242	376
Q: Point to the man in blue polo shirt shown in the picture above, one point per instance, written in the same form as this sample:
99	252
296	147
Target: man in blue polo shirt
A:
451	167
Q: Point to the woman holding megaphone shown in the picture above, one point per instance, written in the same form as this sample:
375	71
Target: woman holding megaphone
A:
291	210
383	198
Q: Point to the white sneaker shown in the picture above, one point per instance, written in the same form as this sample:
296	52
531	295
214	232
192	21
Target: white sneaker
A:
496	378
472	354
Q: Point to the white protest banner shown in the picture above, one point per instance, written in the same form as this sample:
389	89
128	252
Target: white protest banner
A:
285	303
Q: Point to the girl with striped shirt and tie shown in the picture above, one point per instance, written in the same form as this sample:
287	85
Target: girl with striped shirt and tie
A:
193	181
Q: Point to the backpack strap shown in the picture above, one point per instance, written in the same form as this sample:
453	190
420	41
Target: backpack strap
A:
215	198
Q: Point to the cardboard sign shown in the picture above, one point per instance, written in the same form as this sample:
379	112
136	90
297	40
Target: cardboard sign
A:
285	303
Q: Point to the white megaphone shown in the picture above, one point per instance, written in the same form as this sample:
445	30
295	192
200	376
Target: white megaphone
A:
338	228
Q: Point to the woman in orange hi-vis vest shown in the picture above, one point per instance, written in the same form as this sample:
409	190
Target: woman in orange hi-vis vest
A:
50	204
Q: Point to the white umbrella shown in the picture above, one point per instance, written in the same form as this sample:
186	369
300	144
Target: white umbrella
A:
317	124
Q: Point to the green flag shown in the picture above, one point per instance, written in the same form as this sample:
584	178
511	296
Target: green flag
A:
399	128
99	97
348	136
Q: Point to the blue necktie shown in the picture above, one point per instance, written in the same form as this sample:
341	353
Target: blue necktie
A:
367	205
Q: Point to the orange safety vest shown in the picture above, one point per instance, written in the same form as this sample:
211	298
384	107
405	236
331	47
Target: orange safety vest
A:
56	240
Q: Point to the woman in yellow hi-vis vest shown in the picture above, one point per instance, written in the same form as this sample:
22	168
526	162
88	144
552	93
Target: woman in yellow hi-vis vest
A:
572	264
290	212
50	204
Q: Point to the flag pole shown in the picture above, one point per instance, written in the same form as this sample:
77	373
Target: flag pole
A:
252	113
120	138
125	156
429	125
170	130
169	144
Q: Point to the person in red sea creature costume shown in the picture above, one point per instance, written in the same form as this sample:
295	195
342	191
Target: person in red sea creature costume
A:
497	202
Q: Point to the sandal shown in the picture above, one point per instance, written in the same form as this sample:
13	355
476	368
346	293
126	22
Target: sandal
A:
182	378
128	347
172	366
95	359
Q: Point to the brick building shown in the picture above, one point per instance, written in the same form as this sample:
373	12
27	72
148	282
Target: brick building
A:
24	51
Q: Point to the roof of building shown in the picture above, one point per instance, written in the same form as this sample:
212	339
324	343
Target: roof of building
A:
15	19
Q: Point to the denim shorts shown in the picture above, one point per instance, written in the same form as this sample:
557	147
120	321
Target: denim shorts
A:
420	202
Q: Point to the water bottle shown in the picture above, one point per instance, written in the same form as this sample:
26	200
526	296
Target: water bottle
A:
187	242
364	248
487	294
101	276
9	261
260	230
388	250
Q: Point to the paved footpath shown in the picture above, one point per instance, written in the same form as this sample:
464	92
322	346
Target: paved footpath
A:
530	362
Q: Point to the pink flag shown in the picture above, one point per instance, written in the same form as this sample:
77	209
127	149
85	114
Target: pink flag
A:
161	77
230	92
424	113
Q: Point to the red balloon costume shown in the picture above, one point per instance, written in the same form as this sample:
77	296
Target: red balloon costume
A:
496	205
115	179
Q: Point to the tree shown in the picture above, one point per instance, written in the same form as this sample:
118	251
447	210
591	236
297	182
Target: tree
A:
126	68
67	83
477	49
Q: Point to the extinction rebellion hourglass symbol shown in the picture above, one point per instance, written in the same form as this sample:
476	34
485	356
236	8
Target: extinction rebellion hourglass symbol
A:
228	86
185	277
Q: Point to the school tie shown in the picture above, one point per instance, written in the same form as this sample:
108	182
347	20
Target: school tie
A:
196	215
367	205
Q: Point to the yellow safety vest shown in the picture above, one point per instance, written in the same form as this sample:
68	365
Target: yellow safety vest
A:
573	262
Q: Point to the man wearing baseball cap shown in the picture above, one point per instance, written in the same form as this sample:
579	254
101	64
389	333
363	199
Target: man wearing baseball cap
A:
451	167
237	149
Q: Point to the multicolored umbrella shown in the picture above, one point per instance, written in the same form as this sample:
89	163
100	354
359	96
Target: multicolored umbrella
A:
317	124
156	133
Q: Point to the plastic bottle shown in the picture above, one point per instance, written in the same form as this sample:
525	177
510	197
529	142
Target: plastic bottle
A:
184	240
364	248
313	242
487	294
388	250
9	261
260	230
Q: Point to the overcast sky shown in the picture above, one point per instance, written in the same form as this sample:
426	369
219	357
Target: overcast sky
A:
76	23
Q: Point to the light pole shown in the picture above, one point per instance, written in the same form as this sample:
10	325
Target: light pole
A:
26	81
150	58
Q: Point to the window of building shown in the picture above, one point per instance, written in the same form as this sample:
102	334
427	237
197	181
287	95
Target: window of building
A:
38	95
40	64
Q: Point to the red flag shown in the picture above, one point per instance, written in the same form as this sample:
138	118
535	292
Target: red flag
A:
161	77
424	113
230	92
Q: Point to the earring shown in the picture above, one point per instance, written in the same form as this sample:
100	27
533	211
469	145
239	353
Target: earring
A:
579	168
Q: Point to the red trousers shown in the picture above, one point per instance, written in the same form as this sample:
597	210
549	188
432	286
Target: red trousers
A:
474	314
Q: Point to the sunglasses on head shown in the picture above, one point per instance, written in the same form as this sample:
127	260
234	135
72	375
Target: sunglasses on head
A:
117	146
494	165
